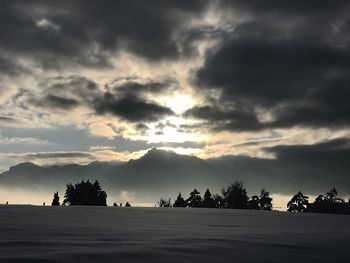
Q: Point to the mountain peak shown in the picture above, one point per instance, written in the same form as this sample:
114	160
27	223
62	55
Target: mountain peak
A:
24	167
154	152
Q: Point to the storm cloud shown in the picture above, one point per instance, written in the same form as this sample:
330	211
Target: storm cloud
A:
232	119
127	100
131	108
287	65
85	32
9	67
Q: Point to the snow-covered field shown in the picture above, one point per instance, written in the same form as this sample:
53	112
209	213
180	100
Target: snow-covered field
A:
110	234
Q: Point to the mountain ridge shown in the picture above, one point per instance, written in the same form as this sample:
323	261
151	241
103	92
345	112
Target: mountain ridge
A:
159	172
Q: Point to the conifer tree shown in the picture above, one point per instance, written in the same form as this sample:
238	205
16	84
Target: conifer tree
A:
208	200
56	199
195	200
179	202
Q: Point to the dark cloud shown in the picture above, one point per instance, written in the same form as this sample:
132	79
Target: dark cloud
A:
294	70
223	119
53	101
311	166
131	108
162	125
273	71
7	119
142	127
63	93
85	32
139	87
304	9
79	89
8	67
53	155
127	100
333	154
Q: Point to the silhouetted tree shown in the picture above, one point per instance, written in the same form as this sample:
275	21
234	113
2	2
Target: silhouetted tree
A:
329	203
127	204
254	203
331	197
164	203
71	196
261	202
218	201
265	200
195	200
235	196
56	199
115	204
85	193
298	203
208	200
179	202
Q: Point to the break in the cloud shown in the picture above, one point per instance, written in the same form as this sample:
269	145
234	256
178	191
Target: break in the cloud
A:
109	80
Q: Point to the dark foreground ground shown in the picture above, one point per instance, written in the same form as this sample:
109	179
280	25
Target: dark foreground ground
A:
109	234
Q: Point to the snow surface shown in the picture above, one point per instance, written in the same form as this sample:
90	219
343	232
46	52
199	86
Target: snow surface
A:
111	234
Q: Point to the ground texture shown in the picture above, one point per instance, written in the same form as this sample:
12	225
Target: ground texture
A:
109	234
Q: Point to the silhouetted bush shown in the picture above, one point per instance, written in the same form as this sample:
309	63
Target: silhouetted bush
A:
127	204
179	202
85	193
298	203
56	199
195	200
235	196
164	203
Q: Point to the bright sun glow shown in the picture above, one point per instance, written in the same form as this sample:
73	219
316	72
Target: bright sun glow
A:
179	103
170	132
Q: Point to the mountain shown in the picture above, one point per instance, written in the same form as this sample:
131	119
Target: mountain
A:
159	168
161	173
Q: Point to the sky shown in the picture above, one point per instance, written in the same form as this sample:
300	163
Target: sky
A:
84	81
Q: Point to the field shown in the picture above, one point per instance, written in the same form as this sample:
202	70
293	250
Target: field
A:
109	234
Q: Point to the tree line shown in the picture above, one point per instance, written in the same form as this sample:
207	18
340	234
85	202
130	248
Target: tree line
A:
234	196
327	203
83	193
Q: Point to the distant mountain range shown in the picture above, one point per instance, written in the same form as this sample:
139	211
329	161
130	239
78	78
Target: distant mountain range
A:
163	173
